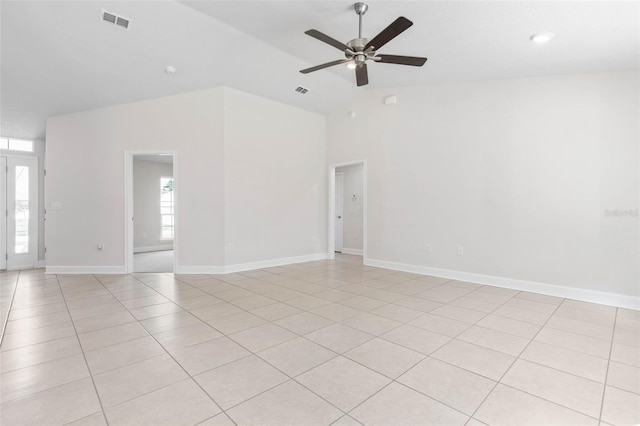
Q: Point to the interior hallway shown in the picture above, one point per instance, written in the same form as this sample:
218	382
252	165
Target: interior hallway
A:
153	261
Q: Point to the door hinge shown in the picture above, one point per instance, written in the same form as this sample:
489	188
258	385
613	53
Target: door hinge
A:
45	172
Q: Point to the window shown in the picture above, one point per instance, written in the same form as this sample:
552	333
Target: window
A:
16	144
166	208
22	210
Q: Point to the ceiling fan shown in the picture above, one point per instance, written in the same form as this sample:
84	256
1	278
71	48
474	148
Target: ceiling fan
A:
360	50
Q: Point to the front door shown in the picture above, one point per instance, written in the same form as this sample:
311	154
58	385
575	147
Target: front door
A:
20	203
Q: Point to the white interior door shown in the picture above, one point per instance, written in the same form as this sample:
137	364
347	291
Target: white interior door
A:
3	210
21	212
339	203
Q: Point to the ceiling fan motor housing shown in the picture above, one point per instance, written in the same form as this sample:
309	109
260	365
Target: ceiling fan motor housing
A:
358	46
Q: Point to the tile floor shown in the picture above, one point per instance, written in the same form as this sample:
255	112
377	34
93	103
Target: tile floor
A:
319	343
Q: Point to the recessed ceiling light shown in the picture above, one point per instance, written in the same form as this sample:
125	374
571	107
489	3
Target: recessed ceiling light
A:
351	65
170	70
541	37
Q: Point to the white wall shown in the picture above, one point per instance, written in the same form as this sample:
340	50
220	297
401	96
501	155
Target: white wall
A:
85	163
146	205
274	180
518	172
249	174
352	208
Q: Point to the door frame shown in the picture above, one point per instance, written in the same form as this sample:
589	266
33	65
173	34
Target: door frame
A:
128	206
331	222
34	220
336	212
3	207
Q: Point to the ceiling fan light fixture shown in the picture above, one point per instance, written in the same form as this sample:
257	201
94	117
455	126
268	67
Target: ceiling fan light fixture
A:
351	65
541	38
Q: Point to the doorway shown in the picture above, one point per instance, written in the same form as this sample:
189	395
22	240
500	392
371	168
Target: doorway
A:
19	199
347	227
339	205
151	212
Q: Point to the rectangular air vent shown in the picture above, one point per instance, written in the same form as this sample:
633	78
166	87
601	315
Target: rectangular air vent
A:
114	19
301	90
124	23
109	17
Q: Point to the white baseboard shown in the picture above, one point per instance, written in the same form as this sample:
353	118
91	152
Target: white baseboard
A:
217	270
40	264
239	267
186	270
357	252
153	248
85	270
585	295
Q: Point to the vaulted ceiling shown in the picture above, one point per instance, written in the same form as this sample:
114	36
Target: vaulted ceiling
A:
58	57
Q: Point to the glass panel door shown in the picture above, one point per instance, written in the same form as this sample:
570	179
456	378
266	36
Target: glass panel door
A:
3	213
21	212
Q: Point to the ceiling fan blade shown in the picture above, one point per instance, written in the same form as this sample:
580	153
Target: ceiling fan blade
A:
401	60
362	77
325	38
327	65
389	33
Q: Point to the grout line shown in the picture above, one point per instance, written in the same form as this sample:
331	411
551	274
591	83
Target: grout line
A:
511	366
177	363
43	362
5	320
549	401
83	355
606	377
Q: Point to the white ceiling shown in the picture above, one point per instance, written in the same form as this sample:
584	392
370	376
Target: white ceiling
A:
57	57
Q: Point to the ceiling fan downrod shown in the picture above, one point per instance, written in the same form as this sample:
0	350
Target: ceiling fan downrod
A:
361	9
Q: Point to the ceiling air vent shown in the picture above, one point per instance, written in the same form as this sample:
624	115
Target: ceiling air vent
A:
108	17
112	18
301	90
124	23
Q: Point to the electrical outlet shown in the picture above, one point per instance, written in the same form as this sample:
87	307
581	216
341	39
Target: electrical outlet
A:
460	251
230	247
385	206
428	247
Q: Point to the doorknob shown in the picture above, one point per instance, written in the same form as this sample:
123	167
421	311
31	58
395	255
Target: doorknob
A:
339	217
